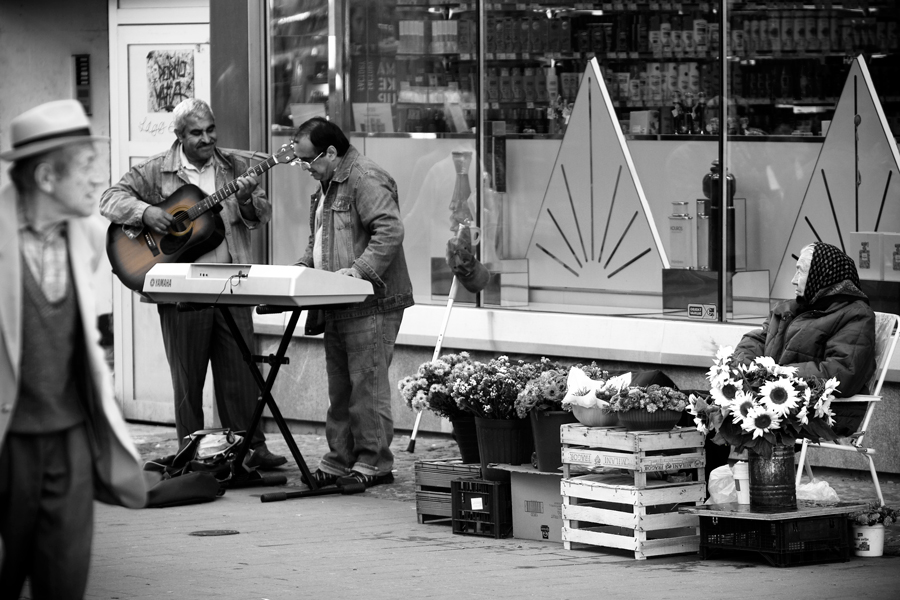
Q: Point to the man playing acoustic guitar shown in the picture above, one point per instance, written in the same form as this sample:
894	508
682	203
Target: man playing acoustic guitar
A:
194	339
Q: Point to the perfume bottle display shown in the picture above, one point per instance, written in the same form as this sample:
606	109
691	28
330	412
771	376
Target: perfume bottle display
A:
711	189
680	236
864	256
703	235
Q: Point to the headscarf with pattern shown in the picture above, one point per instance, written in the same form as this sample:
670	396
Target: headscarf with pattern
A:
829	268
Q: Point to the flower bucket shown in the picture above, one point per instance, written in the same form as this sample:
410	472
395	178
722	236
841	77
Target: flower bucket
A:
868	540
545	426
466	437
595	416
641	420
507	441
772	484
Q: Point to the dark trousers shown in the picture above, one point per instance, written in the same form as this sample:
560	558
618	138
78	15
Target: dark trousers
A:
46	514
195	339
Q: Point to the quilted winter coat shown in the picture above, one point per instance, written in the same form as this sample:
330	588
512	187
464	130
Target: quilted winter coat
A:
834	339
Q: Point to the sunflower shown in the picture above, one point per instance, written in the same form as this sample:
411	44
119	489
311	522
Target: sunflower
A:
764	362
725	393
779	396
759	420
741	406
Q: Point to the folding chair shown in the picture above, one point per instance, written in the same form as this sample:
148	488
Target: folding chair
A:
887	330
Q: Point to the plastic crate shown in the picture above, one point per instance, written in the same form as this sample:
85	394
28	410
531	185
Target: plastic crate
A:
433	479
783	543
482	508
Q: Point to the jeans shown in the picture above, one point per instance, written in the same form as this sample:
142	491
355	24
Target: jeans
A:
359	426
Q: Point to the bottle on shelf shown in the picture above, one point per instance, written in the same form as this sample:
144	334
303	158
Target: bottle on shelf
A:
680	254
712	191
703	234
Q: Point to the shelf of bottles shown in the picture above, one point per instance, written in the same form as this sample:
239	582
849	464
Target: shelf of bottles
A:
788	61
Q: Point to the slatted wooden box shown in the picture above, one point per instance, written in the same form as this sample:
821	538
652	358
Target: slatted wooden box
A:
433	479
622	507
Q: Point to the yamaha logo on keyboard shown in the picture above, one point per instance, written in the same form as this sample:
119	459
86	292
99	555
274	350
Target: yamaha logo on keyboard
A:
159	283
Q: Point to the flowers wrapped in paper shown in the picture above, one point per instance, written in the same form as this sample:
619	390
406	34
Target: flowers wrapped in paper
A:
762	404
584	391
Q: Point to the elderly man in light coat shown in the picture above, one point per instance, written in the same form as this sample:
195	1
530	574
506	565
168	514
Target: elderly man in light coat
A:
63	442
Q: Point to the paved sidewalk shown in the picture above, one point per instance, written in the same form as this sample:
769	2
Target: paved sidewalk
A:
371	546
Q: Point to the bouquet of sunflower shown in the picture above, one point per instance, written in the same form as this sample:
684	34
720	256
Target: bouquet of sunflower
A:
762	404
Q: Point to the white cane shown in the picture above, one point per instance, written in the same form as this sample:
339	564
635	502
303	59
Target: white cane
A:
437	351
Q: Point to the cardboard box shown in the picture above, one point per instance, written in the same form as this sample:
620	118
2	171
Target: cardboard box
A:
644	121
865	248
536	503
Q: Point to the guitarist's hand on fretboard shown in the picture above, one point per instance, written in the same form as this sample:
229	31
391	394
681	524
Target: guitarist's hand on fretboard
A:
245	187
157	219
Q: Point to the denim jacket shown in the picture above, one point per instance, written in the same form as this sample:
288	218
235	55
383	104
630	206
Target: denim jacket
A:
361	228
154	180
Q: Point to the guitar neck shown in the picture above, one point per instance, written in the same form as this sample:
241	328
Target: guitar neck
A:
220	195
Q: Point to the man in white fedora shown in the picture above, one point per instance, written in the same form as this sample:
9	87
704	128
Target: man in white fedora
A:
63	441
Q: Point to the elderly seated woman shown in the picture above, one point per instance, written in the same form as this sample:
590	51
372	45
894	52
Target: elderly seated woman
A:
827	331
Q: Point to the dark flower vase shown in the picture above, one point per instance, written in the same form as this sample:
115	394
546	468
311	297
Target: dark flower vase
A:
545	426
506	441
772	484
466	437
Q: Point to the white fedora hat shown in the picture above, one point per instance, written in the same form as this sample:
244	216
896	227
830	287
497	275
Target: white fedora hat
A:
48	126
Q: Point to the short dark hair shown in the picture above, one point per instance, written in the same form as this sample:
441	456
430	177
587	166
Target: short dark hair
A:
323	133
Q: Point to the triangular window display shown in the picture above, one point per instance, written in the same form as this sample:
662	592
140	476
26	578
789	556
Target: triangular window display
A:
854	190
595	232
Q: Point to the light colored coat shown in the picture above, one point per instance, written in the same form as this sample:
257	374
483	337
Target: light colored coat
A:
118	478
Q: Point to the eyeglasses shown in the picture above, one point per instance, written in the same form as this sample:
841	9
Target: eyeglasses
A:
306	163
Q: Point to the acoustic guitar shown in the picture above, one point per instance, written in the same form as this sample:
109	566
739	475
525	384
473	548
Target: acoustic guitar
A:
196	230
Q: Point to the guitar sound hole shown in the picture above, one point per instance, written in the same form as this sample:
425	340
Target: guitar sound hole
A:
170	244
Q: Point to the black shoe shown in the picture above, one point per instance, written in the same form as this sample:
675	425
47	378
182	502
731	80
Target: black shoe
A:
263	460
321	478
366	480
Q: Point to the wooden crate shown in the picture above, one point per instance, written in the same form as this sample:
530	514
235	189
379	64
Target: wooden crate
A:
607	510
630	511
433	479
639	451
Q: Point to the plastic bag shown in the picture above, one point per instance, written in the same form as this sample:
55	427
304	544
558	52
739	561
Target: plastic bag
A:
721	486
817	490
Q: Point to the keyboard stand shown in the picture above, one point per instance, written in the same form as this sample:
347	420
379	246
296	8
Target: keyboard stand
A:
241	477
